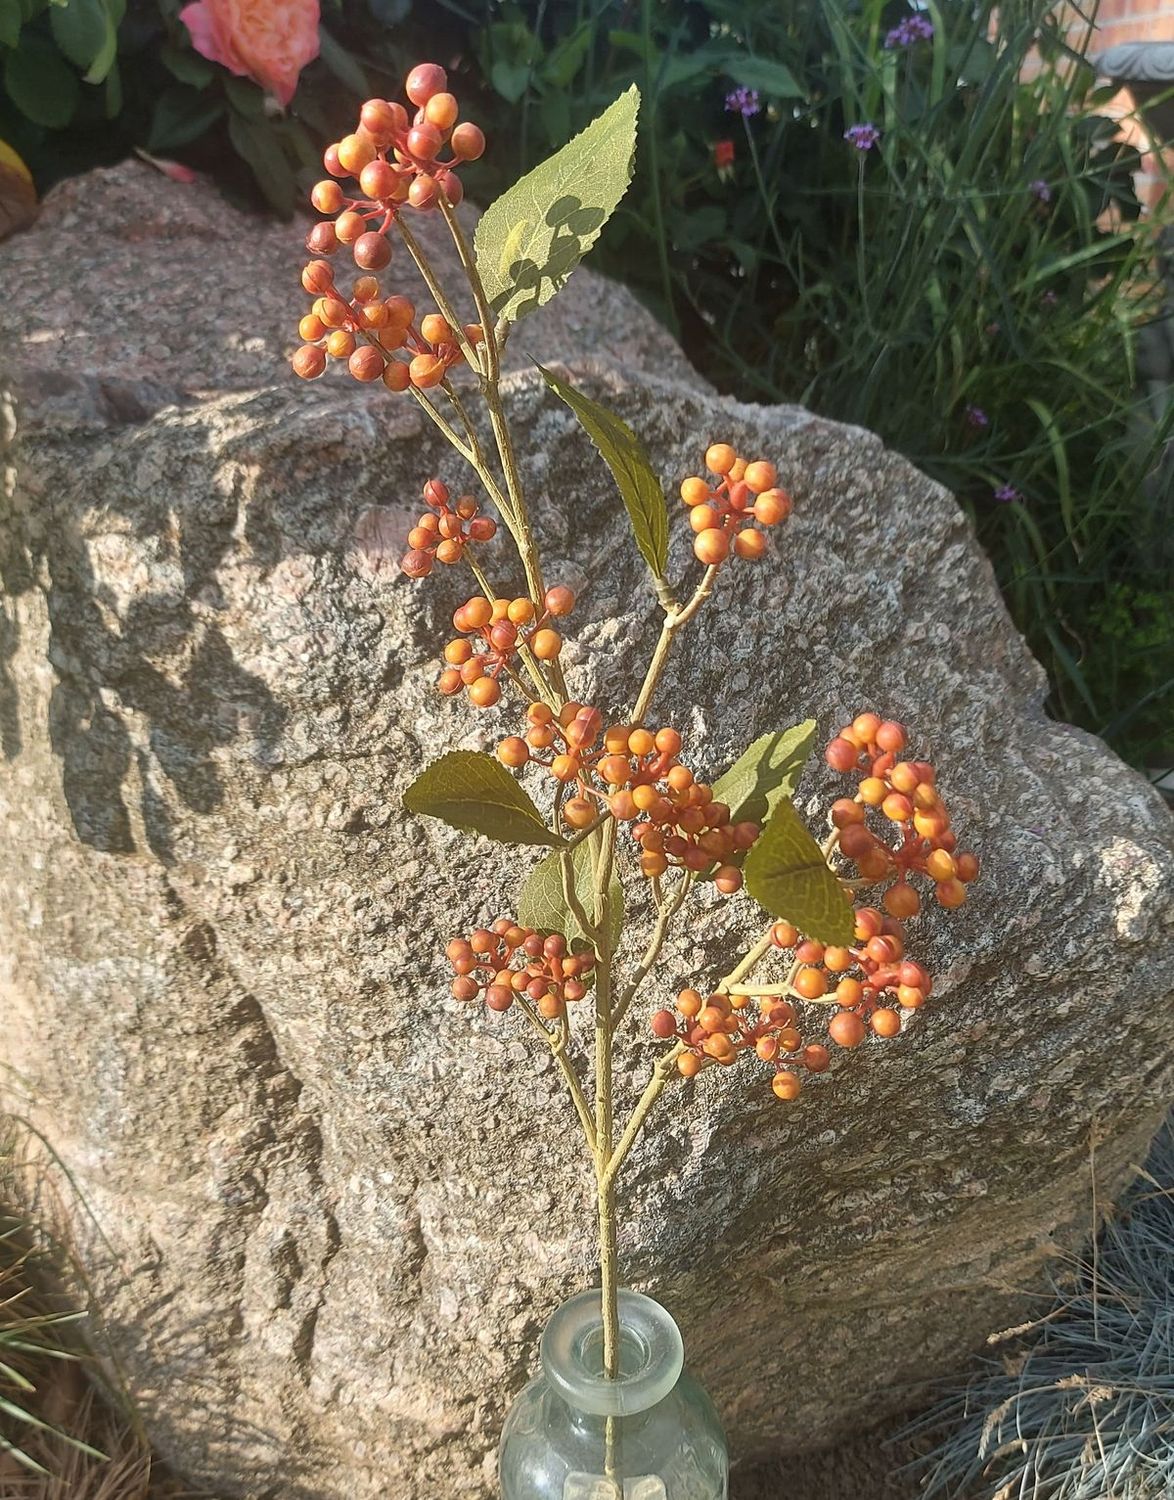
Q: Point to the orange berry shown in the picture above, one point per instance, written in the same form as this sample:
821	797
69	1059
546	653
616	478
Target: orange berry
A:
309	362
366	363
425	80
811	983
694	491
340	344
771	507
689	1065
311	327
426	371
485	692
701	518
760	476
664	1024
354	152
786	1085
849	992
641	742
897	808
903	778
941	866
846	1029
836	960
668	741
901	900
784	935
950	894
891	736
622	806
846	812
711	546
910	996
653	864
967	866
718	1046
442	110
559	600
885	1022
545	644
816	1058
689	1003
513	752
467	142
326	196
750	544
728	879
720	458
396	376
841	754
873	791
435	330
579	812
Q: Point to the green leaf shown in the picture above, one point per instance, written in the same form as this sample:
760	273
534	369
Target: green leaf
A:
186	65
10	20
765	74
40	84
342	64
468	790
542	903
787	874
79	28
112	93
510	79
765	773
181	114
531	238
245	97
635	477
258	143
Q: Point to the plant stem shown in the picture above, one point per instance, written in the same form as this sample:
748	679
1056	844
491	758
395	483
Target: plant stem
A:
655	943
604	1108
673	620
439	295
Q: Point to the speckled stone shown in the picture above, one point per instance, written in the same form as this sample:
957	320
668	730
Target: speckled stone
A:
328	1211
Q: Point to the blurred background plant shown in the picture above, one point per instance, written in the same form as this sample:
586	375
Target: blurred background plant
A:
914	219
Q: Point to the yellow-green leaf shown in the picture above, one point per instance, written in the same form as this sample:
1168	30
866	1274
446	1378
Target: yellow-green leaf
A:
468	790
765	773
787	874
623	453
542	903
531	238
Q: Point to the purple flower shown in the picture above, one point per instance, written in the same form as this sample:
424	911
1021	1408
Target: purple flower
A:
910	31
863	137
1049	299
743	102
1041	190
1006	494
976	417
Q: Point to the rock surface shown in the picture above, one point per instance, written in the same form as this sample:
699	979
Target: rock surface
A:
326	1213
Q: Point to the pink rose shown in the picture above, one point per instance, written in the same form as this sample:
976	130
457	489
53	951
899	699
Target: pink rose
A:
269	41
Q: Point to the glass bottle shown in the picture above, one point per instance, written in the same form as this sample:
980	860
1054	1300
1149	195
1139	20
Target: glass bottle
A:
650	1434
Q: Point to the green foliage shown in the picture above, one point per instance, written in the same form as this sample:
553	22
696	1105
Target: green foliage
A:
635	478
476	793
787	874
542	903
531	238
765	773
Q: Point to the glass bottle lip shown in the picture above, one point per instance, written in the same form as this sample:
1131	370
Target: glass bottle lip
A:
652	1355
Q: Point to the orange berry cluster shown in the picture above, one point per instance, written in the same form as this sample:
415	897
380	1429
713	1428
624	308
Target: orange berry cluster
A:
548	974
721	511
719	1029
866	982
367	329
396	159
443	531
905	793
634	773
500	628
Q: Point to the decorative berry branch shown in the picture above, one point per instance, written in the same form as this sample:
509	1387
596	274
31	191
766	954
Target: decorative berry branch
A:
619	798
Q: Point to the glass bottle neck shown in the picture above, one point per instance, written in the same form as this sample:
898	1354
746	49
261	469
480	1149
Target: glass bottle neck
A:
651	1355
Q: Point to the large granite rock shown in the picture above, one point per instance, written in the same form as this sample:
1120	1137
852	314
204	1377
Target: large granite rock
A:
326	1212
